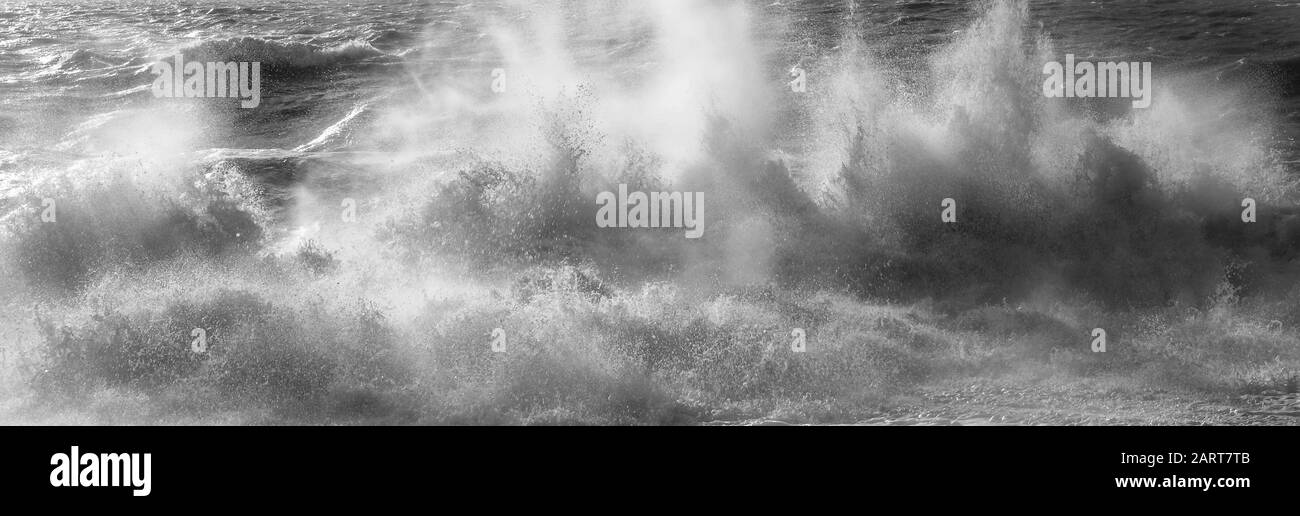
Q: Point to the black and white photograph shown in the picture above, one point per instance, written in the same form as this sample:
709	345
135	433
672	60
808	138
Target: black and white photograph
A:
457	214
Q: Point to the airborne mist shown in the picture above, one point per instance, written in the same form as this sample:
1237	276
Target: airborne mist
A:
365	275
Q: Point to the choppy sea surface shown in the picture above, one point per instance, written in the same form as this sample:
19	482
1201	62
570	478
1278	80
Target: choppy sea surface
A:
352	247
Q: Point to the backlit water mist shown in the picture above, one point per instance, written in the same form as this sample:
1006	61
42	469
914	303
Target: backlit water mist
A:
403	229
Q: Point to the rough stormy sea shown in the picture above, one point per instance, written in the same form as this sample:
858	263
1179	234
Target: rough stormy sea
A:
419	184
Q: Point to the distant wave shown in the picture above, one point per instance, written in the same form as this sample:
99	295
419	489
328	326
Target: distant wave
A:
83	59
278	54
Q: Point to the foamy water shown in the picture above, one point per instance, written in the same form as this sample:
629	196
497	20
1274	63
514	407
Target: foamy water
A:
421	179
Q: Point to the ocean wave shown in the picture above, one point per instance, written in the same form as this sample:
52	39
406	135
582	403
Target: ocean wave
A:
340	133
383	308
75	65
283	54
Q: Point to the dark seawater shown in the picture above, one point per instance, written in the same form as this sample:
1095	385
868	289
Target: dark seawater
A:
473	208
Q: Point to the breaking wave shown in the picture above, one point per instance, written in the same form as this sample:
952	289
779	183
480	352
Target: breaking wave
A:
822	213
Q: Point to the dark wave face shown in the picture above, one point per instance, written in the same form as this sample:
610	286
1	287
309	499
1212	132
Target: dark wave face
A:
424	216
